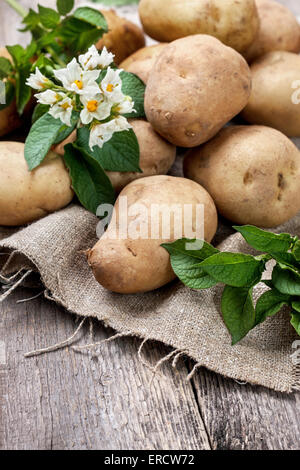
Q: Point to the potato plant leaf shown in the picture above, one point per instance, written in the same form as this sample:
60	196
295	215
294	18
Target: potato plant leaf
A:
89	181
120	153
234	269
40	138
238	311
265	241
185	262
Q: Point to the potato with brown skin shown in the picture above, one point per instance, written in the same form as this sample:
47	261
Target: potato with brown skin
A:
142	61
251	172
135	264
9	118
279	30
123	37
27	196
234	22
275	92
196	86
156	154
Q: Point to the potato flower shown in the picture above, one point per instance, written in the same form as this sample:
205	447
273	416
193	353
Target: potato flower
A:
38	81
77	80
93	60
62	110
95	107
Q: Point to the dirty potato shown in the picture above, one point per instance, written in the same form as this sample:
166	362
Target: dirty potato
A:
251	172
138	263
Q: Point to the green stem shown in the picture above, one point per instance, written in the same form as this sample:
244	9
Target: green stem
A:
17	7
55	56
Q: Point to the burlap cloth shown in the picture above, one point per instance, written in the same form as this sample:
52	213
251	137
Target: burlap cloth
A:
188	320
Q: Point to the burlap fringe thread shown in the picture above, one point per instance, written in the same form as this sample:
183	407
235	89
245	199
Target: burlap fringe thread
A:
90	347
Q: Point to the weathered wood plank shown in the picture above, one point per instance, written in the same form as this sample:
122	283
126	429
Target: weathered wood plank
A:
66	400
244	417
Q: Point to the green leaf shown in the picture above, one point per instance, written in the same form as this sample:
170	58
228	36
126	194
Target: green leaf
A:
39	111
48	17
90	182
265	241
77	35
234	269
65	131
17	52
91	16
64	6
120	153
23	92
286	281
286	261
5	67
40	138
185	262
134	87
9	95
269	304
295	321
238	312
296	250
30	21
296	305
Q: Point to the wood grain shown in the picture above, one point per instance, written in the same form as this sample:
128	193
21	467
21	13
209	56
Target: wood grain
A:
66	400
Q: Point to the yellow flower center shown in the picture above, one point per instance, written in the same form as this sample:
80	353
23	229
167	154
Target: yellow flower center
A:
92	106
110	87
79	84
65	106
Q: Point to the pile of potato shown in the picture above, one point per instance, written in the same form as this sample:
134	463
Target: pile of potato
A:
214	61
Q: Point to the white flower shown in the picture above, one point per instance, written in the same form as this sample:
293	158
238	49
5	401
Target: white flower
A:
125	107
49	97
111	85
63	110
121	124
77	80
96	107
106	58
100	134
38	81
93	60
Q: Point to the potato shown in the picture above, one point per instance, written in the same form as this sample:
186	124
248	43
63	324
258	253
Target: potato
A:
278	31
142	61
196	86
123	37
251	172
9	118
27	196
271	103
234	22
156	155
137	264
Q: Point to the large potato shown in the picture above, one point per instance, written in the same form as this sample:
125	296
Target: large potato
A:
278	31
251	172
123	37
135	264
271	102
156	155
234	22
9	118
142	61
196	86
27	196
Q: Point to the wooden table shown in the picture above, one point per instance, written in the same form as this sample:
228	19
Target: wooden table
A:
67	400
